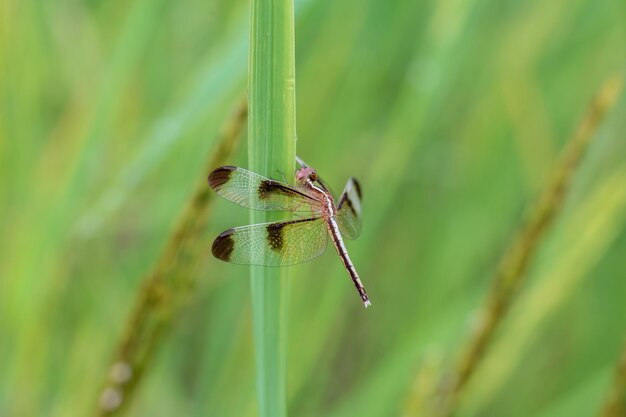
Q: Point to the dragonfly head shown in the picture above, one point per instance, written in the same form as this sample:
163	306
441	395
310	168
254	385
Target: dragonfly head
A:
304	174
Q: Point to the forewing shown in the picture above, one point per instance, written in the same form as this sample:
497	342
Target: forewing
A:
257	192
273	244
349	210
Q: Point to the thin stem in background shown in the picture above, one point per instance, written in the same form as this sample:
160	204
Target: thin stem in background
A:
271	152
166	286
510	275
615	405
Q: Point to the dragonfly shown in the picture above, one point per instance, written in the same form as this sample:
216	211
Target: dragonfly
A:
318	216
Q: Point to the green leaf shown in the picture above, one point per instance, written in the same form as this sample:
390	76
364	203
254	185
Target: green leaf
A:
271	152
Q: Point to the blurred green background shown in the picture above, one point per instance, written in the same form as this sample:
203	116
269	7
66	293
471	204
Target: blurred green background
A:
450	113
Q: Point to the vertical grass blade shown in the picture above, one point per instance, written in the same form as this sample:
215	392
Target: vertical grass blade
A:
271	152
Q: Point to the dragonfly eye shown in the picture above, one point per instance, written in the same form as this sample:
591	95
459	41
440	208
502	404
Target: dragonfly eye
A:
306	173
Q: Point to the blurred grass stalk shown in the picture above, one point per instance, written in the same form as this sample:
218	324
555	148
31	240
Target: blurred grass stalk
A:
271	152
615	405
166	286
510	275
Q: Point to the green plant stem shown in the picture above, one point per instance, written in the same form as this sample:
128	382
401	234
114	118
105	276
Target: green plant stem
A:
162	293
271	152
511	274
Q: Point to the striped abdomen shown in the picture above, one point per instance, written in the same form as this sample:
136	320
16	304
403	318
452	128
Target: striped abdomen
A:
333	229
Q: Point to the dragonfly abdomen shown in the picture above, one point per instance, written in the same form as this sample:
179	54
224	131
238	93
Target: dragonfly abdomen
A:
333	229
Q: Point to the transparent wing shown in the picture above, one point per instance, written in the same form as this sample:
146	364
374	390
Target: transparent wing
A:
349	210
257	192
273	244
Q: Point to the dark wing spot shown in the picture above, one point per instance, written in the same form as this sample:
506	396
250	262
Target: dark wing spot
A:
342	200
264	189
275	236
220	176
223	245
351	207
269	187
345	200
357	188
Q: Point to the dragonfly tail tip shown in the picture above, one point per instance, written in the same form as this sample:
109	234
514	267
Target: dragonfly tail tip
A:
367	303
